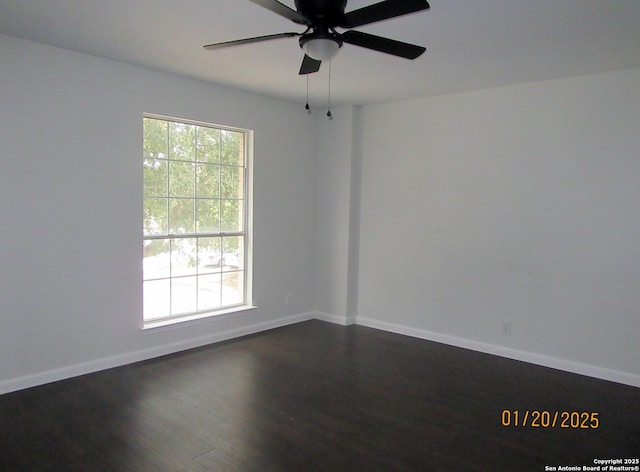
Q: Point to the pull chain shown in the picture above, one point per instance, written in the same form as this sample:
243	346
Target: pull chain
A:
329	97
307	107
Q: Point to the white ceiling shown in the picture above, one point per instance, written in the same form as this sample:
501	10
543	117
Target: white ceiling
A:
471	44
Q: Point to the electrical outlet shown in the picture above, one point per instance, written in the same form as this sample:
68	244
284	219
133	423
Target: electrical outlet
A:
288	299
506	328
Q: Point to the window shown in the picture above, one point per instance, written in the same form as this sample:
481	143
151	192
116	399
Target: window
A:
195	238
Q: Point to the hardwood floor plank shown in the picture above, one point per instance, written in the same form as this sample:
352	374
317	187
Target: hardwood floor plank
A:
315	396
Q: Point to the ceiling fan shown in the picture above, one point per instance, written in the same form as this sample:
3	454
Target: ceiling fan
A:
320	41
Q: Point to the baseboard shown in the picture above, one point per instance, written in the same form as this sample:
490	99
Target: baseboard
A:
532	358
342	320
137	356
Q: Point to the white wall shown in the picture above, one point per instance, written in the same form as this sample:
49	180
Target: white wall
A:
518	204
337	199
70	218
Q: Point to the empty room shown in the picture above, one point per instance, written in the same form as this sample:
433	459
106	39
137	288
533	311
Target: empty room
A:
260	235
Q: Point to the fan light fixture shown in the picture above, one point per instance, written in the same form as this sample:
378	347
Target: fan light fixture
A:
321	49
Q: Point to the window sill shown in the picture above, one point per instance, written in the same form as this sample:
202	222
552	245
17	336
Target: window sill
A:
184	320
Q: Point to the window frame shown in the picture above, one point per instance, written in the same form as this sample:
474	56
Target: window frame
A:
246	232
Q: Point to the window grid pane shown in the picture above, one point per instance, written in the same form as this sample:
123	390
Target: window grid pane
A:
194	189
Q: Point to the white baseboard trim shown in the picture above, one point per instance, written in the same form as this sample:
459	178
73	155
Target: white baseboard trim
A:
54	375
342	320
532	358
142	355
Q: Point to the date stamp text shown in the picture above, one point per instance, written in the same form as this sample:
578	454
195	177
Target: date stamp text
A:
550	419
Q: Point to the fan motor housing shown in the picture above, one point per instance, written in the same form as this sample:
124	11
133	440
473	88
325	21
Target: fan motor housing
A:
326	13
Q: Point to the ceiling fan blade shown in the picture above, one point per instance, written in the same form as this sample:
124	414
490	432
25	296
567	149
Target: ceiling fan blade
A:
309	65
386	45
255	39
282	10
382	11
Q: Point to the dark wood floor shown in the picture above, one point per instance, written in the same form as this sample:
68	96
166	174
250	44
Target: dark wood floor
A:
315	396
